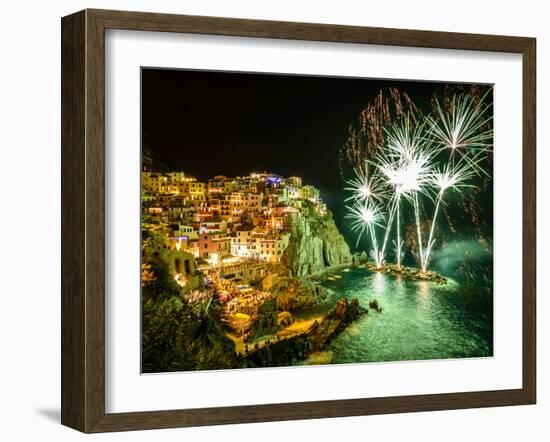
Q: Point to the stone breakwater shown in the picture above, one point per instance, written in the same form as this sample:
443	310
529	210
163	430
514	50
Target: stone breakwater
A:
411	273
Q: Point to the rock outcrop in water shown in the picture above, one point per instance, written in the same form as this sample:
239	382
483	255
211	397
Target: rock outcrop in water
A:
315	244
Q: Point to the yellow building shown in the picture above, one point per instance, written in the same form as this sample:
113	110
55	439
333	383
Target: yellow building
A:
153	182
294	181
196	190
271	248
243	243
221	185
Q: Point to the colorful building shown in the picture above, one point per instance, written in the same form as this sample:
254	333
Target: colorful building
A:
214	246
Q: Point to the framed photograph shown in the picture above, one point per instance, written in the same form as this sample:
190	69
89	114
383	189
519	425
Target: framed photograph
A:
267	221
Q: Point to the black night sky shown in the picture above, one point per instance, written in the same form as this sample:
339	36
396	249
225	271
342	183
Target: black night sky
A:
220	123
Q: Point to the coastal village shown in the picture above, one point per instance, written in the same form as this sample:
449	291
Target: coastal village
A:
252	246
236	225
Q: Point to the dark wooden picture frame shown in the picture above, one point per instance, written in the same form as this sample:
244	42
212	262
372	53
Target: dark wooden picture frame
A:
83	220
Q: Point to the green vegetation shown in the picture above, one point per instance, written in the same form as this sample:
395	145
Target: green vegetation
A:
177	336
175	339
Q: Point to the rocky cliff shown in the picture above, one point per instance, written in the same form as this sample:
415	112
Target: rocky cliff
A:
298	294
315	243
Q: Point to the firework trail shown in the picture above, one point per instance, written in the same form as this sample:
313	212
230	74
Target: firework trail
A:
452	177
365	217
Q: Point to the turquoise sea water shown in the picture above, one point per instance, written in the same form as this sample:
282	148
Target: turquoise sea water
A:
420	320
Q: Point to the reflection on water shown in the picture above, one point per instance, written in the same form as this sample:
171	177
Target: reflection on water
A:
420	320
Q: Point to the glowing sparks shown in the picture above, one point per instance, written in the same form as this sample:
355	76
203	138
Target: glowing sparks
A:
407	165
365	217
464	130
403	139
365	187
413	175
407	160
450	176
426	156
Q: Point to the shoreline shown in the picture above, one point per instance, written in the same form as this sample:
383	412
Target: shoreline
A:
306	319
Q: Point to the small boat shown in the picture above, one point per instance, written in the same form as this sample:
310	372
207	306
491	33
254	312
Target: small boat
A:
338	276
331	278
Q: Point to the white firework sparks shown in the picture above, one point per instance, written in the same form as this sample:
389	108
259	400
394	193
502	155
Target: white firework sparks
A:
365	217
407	165
464	131
366	186
403	139
450	176
407	162
426	156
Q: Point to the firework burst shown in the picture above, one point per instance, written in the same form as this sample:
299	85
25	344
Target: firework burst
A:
421	156
407	165
365	186
452	176
464	130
